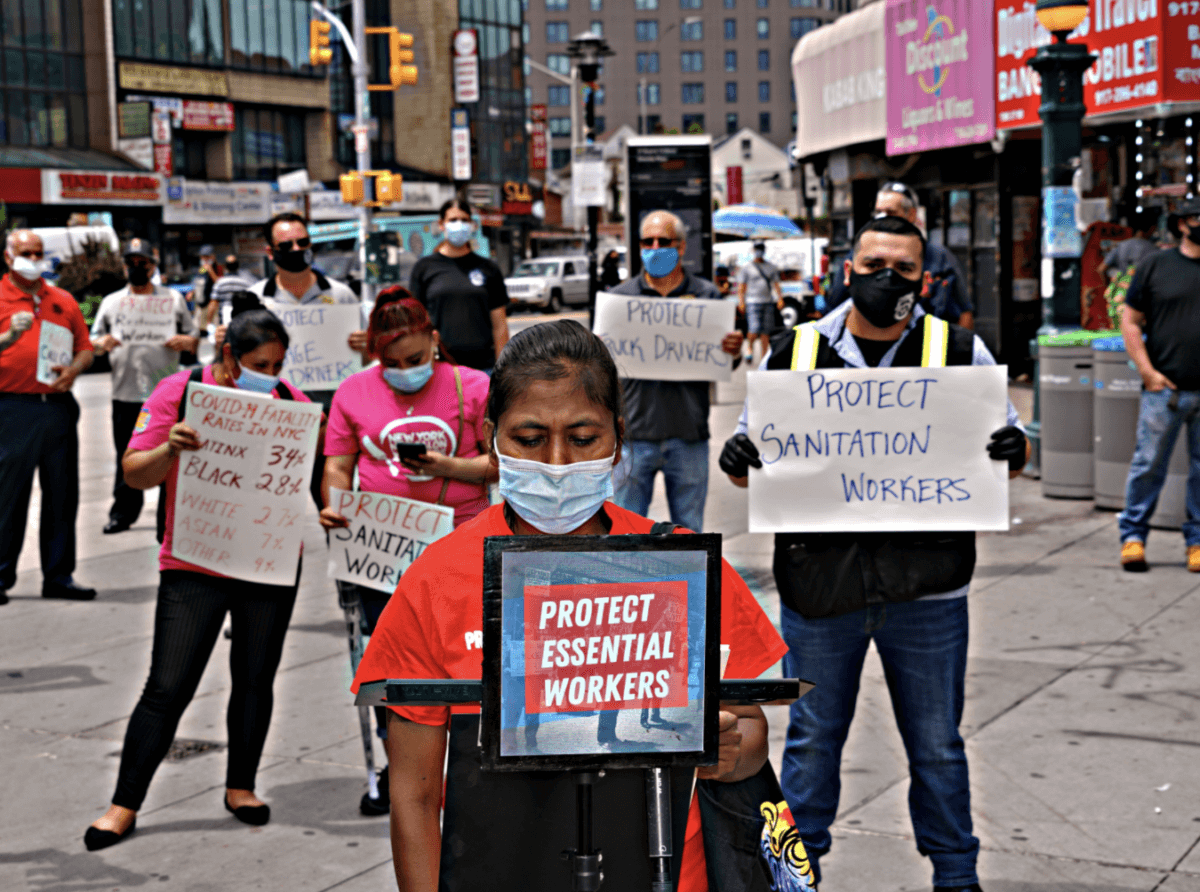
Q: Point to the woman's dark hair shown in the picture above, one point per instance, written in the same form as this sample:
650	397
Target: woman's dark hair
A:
250	330
243	302
550	352
460	203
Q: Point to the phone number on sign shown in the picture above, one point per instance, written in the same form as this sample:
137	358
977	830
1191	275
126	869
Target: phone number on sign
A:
1127	92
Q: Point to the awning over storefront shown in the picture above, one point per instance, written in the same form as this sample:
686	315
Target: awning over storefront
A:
77	159
841	83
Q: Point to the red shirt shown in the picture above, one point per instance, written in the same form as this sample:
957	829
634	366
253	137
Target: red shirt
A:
18	364
432	628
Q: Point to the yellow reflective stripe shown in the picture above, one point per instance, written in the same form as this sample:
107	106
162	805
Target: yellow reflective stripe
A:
804	347
937	343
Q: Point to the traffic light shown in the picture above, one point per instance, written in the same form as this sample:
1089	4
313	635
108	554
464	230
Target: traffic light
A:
352	188
401	71
388	187
319	52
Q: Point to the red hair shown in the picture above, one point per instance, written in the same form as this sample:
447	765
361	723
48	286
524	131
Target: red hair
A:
394	319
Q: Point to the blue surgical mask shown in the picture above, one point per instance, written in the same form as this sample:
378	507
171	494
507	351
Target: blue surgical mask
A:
660	262
409	380
458	232
255	382
555	499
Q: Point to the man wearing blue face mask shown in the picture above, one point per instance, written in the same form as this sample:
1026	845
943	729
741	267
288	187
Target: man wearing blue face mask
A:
667	421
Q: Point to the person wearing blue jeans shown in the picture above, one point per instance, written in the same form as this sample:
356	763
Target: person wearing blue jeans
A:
666	422
1163	305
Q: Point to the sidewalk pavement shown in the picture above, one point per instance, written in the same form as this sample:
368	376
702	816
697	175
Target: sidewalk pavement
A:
1082	694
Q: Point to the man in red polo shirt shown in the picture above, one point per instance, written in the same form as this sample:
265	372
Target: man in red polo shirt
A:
44	346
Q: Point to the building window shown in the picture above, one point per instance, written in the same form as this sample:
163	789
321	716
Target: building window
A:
646	29
557	32
762	4
731	60
599	95
764	60
691	4
601	124
559	62
654	124
598	28
528	96
805	4
596	5
559	126
691	30
802	26
764	122
188	32
267	142
693	94
647	63
693	123
559	158
262	36
764	91
731	126
731	29
763	27
731	91
793	122
558	95
556	5
44	101
645	4
729	4
691	62
652	94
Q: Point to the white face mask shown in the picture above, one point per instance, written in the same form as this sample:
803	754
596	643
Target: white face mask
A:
555	499
29	270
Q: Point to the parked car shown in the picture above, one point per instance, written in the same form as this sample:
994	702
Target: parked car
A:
549	283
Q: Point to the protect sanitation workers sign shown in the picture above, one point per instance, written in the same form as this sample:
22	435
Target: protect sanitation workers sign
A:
877	450
605	646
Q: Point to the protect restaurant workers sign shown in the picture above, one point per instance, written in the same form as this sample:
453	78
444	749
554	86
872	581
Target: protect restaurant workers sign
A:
877	450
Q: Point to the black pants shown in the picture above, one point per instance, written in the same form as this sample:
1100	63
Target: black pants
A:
191	609
39	434
325	399
127	501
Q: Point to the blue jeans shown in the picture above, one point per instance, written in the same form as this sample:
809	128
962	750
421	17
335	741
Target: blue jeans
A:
1158	427
923	647
684	464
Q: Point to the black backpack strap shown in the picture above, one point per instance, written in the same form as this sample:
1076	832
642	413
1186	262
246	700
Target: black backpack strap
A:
663	528
195	377
282	392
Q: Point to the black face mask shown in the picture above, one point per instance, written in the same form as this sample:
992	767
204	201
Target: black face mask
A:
295	261
884	298
139	275
1193	235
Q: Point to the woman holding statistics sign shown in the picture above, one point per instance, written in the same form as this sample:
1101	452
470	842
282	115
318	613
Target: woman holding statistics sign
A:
555	429
194	599
413	427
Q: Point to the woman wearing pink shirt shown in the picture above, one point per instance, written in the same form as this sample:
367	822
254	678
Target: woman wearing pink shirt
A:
380	415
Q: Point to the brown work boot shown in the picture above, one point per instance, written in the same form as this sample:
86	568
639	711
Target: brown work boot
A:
1194	558
1133	557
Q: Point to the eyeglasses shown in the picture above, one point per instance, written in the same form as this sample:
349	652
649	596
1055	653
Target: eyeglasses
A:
295	245
656	242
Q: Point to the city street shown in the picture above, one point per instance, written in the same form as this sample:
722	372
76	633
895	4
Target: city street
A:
1081	717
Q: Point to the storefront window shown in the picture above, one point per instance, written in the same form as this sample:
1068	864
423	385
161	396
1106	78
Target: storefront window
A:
43	95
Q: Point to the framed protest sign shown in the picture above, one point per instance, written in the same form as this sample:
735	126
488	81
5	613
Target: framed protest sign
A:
56	346
877	450
666	338
240	499
600	651
318	356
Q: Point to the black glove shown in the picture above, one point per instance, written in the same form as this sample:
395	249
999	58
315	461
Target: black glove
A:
739	456
1008	444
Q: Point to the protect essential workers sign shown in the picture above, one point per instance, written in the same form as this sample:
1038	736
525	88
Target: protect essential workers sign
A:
666	338
877	450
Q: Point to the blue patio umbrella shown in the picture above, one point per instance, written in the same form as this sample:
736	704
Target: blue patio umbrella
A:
754	221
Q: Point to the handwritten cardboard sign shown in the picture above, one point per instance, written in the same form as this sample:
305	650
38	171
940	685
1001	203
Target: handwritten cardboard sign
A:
606	646
240	500
144	319
318	357
666	338
877	449
56	346
386	534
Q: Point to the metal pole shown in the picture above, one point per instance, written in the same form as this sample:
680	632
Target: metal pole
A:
593	214
362	141
575	140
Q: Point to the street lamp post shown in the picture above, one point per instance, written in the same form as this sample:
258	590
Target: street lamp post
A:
586	51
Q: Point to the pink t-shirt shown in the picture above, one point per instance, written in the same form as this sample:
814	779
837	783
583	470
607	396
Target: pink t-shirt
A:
369	417
159	414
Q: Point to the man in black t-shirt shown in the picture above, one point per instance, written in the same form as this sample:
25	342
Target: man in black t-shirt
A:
1163	302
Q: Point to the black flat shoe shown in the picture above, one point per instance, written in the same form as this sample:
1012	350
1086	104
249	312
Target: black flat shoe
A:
96	839
116	526
68	591
254	815
383	804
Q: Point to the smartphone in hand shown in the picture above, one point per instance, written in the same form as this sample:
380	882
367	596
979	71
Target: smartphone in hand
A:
410	450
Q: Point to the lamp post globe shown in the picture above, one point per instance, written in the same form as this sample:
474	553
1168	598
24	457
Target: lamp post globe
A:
1061	17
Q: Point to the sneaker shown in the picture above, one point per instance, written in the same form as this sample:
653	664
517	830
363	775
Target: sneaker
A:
1133	556
974	887
1193	558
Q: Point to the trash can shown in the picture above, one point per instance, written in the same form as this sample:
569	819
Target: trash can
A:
1118	388
1065	383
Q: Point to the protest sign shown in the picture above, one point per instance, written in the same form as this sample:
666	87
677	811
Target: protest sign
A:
144	319
666	338
56	346
386	534
240	500
318	357
877	450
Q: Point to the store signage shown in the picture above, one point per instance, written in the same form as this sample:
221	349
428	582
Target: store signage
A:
215	116
164	160
937	55
160	126
200	202
733	184
133	120
170	79
460	145
1147	52
98	187
538	150
466	65
172	105
139	151
483	195
518	198
587	176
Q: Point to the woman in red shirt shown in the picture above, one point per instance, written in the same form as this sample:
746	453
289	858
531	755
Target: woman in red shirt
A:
554	416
